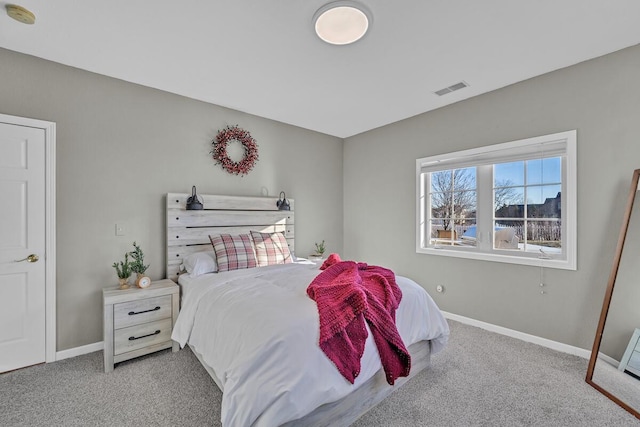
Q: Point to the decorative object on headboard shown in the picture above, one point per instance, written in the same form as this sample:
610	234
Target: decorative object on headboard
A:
220	155
193	202
283	203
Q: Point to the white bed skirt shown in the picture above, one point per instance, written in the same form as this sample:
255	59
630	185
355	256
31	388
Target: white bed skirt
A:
347	410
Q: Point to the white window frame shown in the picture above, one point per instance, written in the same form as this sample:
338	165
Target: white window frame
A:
561	144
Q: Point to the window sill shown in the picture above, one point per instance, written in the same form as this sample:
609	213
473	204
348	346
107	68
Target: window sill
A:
499	257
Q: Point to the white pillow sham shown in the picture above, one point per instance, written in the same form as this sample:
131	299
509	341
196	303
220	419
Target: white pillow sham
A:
200	263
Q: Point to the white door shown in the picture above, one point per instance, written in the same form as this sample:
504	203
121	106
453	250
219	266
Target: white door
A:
22	246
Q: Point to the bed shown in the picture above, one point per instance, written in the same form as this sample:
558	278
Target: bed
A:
255	330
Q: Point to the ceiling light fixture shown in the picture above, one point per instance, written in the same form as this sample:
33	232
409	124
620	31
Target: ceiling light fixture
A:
342	22
20	14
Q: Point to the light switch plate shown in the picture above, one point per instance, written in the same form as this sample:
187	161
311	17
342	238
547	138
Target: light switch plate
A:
121	229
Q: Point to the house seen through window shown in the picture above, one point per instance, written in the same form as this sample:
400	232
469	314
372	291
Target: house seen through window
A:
512	202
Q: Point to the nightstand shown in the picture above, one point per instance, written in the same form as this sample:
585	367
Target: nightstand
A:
631	360
316	259
139	321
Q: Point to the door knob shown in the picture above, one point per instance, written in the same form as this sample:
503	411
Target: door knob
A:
30	258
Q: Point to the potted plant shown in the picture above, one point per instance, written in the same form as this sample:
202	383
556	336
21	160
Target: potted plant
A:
319	254
320	249
138	266
123	270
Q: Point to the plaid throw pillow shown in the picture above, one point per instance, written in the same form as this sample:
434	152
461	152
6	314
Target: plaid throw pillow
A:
233	252
271	248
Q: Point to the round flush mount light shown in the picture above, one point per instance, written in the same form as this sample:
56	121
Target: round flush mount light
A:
342	22
20	14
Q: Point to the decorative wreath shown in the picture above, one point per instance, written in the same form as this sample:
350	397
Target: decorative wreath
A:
221	157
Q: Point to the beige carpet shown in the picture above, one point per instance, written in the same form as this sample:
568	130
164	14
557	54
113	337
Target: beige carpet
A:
481	379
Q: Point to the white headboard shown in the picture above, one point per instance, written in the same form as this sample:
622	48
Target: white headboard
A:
188	230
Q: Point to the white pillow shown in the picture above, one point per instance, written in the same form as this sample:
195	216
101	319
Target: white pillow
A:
200	263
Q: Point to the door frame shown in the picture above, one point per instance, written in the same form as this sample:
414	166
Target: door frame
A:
50	225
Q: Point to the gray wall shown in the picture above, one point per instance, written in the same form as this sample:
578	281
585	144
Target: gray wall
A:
601	99
121	147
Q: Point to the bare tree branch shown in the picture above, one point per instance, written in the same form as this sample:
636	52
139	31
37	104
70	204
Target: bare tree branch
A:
453	195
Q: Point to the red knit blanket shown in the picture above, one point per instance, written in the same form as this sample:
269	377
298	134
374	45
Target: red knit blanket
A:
348	294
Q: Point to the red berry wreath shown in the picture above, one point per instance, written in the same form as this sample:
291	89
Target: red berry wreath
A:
220	155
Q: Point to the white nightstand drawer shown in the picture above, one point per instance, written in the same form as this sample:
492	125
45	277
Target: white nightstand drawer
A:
140	336
141	311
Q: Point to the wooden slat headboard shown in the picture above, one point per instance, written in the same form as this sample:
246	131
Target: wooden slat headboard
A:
188	230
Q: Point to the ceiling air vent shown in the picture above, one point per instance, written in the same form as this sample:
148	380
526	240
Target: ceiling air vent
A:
451	88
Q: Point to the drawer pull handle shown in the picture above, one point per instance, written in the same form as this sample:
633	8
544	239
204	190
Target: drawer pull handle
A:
133	313
144	336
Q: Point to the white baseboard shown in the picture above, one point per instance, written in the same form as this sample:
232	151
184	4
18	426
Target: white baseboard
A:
610	360
554	345
78	351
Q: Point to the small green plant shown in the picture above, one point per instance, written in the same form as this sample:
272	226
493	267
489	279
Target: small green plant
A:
137	265
123	268
320	249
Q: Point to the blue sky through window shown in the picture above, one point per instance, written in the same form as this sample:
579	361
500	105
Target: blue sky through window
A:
543	178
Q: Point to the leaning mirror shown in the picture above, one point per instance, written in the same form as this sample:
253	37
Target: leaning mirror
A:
614	367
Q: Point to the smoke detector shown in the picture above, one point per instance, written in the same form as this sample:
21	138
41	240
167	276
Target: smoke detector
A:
20	14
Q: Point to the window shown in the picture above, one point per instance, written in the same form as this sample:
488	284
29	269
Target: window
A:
513	202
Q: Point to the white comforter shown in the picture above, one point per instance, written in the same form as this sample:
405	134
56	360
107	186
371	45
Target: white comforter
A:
258	330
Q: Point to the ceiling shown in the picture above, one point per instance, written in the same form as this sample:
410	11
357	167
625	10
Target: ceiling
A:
263	57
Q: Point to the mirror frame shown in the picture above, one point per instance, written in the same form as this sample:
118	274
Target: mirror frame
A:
608	295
